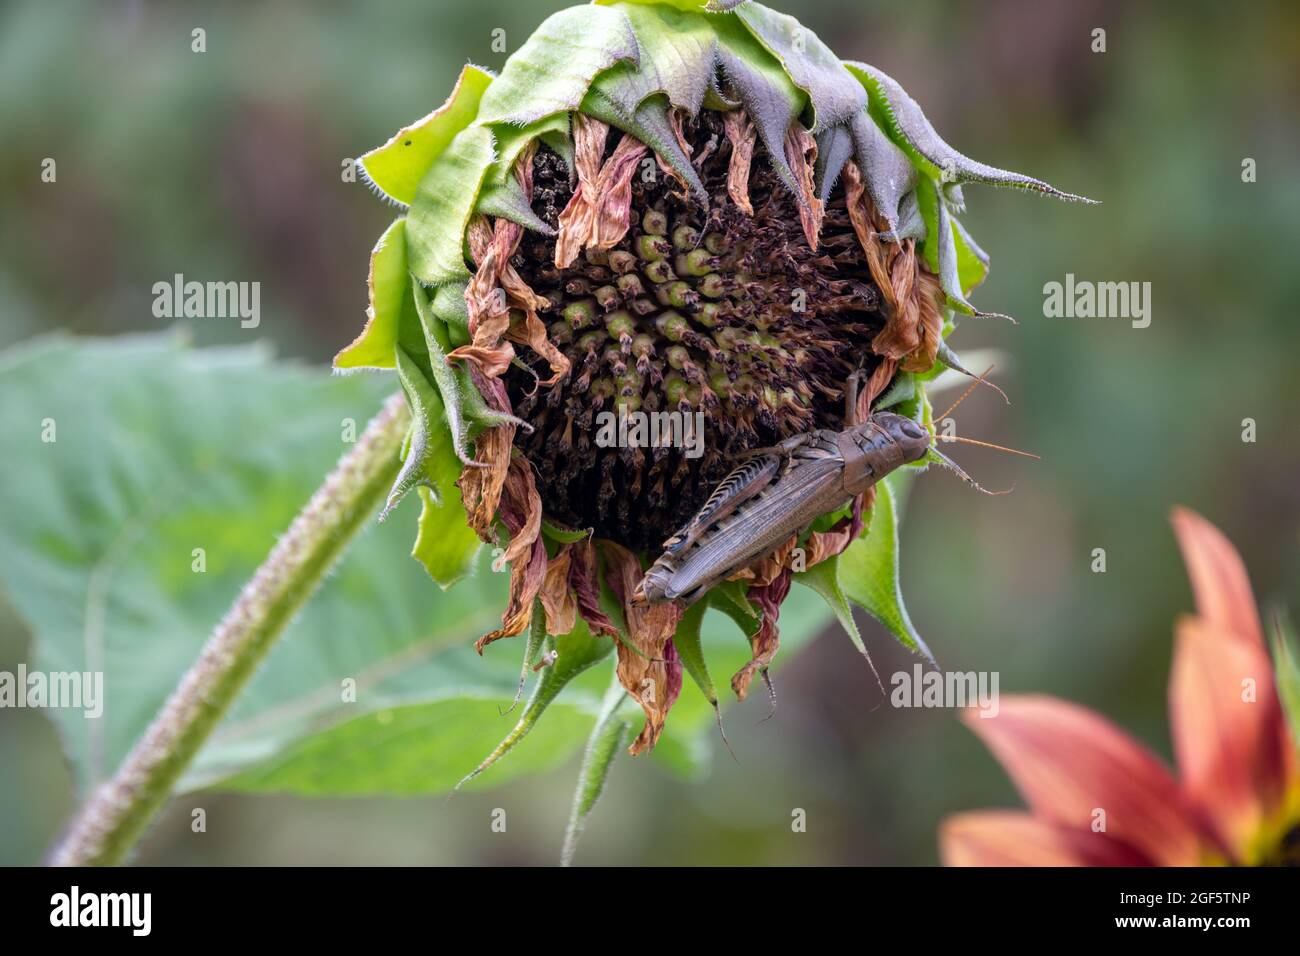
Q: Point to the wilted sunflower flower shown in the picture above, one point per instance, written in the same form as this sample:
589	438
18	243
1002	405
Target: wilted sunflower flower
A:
1099	798
656	207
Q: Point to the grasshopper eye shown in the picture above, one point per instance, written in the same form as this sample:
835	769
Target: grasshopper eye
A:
911	429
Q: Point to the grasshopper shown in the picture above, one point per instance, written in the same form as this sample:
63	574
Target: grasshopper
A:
778	492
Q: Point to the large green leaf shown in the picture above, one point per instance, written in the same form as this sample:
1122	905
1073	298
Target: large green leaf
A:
160	450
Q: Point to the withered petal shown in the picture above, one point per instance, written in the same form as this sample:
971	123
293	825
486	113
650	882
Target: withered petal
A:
649	670
742	136
767	641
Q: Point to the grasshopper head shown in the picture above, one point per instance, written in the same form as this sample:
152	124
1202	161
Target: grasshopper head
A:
912	440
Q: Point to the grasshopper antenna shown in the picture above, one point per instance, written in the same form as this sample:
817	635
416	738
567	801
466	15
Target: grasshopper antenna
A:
950	360
973	385
989	444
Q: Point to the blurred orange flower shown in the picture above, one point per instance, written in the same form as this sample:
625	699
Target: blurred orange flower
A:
1099	798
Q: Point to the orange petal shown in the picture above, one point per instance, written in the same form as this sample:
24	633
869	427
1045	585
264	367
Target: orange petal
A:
1219	580
1073	767
1229	731
1013	838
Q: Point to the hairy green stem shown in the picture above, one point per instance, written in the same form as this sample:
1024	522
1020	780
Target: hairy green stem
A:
117	813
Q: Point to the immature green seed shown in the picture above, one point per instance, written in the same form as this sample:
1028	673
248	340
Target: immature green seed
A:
659	271
697	262
655	222
708	314
630	285
651	248
674	387
622	262
620	323
685	238
712	285
607	296
580	314
561	333
591	341
672	325
676	294
716	243
678	356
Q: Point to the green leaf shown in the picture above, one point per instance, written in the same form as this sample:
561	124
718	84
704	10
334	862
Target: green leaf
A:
824	579
606	740
551	72
412	750
687	641
511	141
835	94
577	651
443	203
506	200
429	433
388	282
677	56
972	261
770	97
397	167
907	125
217	449
563	535
886	170
868	571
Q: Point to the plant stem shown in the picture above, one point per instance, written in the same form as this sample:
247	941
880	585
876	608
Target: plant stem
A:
117	813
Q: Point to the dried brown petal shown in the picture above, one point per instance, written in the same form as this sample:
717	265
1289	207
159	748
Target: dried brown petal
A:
558	599
521	513
614	199
741	134
575	220
582	578
912	294
481	488
599	212
650	670
765	643
801	153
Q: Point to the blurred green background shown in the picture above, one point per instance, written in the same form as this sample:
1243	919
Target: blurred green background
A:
228	164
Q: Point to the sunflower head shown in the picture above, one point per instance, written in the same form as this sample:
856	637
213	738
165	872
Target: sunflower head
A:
677	207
